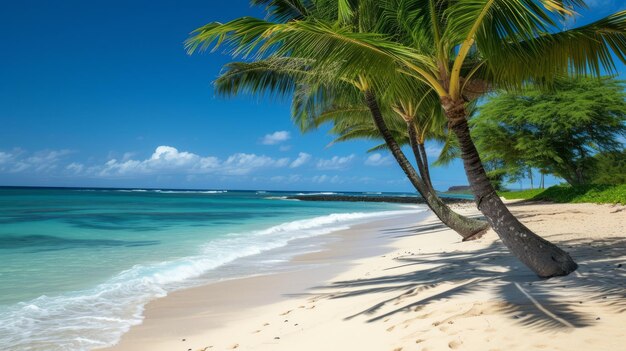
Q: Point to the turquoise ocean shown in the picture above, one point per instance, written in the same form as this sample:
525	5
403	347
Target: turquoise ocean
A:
77	266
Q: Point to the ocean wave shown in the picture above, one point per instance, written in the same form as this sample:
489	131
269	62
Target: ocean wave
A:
280	198
191	191
97	317
321	193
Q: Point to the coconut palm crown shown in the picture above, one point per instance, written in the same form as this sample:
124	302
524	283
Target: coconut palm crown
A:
457	48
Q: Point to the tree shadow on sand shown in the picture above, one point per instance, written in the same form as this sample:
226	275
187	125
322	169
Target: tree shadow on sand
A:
541	305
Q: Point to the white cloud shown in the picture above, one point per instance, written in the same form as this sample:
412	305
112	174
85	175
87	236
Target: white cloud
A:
167	159
335	162
294	178
5	157
239	164
284	148
327	179
303	158
276	138
18	160
75	168
164	161
378	160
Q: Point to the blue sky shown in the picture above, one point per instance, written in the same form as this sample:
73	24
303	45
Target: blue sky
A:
102	93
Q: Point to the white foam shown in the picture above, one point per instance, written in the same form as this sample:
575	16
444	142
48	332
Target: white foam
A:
190	191
97	317
322	193
280	198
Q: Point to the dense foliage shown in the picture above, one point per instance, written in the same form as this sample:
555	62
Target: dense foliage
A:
557	132
600	194
609	168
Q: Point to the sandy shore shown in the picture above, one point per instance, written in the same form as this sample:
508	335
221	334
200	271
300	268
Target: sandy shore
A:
399	285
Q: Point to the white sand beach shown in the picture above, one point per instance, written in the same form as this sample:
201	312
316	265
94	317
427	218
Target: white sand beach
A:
398	285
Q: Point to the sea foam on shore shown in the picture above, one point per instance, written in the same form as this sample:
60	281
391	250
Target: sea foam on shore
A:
97	316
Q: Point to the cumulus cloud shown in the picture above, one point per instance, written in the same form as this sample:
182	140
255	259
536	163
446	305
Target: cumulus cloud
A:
378	160
303	158
167	159
335	163
276	137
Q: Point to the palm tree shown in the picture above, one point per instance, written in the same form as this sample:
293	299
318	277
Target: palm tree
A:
453	47
316	103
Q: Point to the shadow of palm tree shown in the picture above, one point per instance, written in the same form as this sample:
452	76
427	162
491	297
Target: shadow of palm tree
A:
542	305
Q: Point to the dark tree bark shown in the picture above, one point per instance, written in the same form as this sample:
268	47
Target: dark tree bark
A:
468	228
425	159
420	159
541	256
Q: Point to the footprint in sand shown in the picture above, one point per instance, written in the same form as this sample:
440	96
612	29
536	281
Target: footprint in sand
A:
236	346
391	328
286	313
455	344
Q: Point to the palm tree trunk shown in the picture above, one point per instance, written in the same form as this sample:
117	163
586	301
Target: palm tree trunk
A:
541	256
425	159
419	159
468	228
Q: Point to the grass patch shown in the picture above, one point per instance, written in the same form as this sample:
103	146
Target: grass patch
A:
595	193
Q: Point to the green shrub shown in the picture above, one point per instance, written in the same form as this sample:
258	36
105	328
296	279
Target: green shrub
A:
593	193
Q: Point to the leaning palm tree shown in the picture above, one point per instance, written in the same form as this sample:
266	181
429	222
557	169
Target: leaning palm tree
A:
315	102
452	47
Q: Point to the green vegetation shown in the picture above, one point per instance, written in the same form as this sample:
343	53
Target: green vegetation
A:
447	53
609	168
595	193
557	132
401	116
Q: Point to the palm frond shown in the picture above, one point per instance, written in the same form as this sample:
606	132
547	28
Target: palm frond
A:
584	50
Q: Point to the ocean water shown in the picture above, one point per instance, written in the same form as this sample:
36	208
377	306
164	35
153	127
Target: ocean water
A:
77	266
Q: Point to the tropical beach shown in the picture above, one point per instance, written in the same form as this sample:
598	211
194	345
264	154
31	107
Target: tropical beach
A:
401	285
313	174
